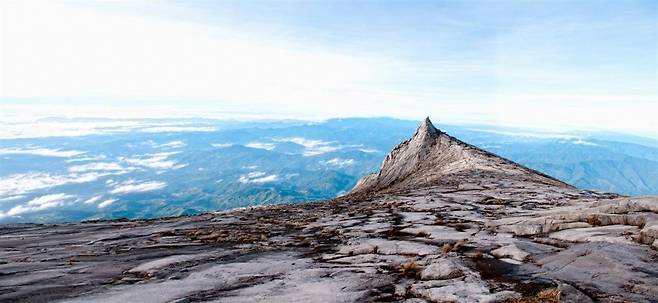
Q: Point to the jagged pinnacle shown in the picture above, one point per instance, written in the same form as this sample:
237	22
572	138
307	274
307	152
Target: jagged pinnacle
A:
427	125
427	122
425	130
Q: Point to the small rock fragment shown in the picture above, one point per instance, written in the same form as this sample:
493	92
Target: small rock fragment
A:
444	269
510	251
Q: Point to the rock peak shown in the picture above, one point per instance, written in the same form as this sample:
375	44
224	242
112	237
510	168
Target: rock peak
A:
426	129
427	123
432	156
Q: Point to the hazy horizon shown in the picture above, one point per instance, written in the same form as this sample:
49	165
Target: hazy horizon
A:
72	124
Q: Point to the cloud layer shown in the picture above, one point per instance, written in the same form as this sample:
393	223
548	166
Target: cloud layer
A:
115	168
132	186
37	151
157	161
312	147
38	204
27	182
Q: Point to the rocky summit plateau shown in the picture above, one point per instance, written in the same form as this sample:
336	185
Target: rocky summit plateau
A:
443	221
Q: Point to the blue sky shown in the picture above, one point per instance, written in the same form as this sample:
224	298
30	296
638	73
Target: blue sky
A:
544	64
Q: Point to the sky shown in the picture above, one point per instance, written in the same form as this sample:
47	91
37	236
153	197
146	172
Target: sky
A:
542	64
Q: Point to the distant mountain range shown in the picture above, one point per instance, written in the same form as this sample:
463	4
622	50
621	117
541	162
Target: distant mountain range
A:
154	168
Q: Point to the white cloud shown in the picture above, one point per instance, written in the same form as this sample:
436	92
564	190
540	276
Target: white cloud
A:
37	151
35	128
92	200
137	187
37	204
312	147
368	150
256	174
583	142
178	129
106	203
171	144
257	177
48	199
85	159
11	198
24	183
101	166
266	179
23	121
261	145
158	161
27	182
337	162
